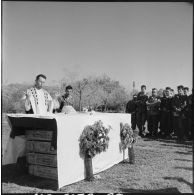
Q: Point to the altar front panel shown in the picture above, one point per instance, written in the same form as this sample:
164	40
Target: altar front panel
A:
69	128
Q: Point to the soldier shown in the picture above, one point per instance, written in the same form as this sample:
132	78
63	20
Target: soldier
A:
153	110
190	116
131	108
172	94
141	112
178	106
165	108
186	127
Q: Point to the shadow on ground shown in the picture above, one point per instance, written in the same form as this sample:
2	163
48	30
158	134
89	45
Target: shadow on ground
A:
166	190
12	174
186	160
178	145
170	141
185	168
184	153
180	179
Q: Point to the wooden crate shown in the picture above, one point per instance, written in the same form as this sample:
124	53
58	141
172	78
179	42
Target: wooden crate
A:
42	171
39	135
42	159
39	147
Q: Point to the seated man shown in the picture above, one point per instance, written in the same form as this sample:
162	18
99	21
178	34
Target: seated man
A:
37	99
66	101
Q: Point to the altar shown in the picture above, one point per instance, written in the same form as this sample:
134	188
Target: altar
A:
67	129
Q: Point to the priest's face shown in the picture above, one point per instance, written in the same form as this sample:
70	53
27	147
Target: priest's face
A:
40	82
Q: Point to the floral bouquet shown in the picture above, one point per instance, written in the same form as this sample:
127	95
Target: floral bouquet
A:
93	140
128	138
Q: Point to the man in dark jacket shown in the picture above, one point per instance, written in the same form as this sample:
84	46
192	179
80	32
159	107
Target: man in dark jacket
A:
153	111
131	108
165	108
141	112
190	115
186	118
178	106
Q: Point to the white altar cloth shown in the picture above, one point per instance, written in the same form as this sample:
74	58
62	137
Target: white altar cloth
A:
69	128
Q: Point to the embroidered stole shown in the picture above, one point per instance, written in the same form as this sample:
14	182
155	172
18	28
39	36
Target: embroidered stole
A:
34	99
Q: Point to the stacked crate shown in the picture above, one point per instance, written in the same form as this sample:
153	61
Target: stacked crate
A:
41	160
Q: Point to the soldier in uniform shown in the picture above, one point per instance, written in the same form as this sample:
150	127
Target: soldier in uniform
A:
186	127
178	107
141	112
190	115
131	108
172	126
153	110
165	108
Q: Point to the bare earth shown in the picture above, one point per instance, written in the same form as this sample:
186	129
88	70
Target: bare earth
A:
161	166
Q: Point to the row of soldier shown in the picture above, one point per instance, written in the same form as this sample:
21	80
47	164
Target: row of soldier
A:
171	114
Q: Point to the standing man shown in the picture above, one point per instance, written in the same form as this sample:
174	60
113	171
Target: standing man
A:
178	106
190	115
186	118
153	108
37	99
66	101
131	108
141	111
165	119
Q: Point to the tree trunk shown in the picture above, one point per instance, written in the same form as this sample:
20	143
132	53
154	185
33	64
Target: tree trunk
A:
80	97
123	155
131	155
88	168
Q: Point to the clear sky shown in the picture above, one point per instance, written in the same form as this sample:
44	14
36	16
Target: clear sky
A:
146	42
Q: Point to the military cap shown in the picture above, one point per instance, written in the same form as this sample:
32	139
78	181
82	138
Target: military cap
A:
180	87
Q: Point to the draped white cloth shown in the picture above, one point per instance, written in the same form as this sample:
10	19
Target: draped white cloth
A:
69	129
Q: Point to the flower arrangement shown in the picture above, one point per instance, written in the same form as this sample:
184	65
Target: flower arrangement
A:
128	138
127	135
94	139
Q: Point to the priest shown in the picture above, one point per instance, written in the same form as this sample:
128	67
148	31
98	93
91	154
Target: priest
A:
37	99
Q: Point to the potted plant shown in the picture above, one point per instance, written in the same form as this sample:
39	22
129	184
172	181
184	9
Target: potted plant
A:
93	140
